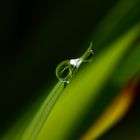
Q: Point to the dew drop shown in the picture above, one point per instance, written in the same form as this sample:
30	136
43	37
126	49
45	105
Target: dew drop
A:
66	69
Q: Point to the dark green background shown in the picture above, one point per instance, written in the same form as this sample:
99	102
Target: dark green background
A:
35	36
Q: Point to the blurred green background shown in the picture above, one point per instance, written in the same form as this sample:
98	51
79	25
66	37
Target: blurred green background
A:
36	35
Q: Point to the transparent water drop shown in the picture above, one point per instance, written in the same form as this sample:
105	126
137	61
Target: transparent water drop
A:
66	69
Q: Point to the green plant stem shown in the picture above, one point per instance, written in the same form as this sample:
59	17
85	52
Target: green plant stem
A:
36	124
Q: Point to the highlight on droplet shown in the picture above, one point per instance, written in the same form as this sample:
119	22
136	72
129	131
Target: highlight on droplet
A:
66	69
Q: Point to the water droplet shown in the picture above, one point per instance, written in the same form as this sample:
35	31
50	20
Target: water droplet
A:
66	69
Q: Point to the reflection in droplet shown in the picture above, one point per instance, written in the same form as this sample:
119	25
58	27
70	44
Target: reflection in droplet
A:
66	69
76	62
